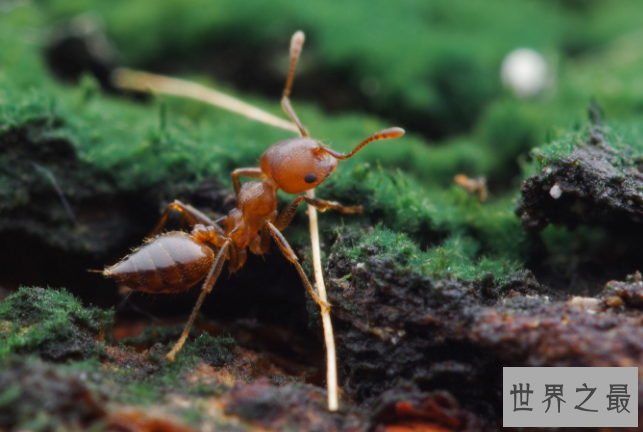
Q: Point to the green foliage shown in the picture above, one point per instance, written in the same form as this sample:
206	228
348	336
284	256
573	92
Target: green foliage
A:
52	324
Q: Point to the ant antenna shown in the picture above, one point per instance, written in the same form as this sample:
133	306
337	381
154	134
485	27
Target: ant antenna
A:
391	133
296	45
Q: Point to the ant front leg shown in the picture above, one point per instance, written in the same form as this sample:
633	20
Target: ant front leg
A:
255	173
210	280
189	214
288	213
290	255
296	44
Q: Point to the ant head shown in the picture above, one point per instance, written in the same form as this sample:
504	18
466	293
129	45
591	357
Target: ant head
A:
297	164
300	164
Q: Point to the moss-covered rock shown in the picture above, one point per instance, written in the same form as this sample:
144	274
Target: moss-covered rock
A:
590	177
404	323
581	204
52	324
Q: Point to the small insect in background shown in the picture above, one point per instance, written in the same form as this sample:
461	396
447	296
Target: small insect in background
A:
175	261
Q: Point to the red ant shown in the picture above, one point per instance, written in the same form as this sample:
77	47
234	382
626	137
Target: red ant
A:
175	261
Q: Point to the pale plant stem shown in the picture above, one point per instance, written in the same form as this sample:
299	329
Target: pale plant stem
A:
331	357
147	82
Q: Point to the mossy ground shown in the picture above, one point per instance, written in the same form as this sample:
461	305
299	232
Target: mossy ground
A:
93	383
84	175
52	324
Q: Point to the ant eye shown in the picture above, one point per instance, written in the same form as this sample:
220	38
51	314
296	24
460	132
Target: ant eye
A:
310	178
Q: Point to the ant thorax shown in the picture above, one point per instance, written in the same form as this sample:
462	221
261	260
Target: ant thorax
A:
256	204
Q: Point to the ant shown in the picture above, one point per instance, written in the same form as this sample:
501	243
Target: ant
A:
175	261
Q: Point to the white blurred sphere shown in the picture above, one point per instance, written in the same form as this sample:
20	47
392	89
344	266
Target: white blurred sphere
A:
525	72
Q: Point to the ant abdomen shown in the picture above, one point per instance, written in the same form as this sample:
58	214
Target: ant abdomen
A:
171	262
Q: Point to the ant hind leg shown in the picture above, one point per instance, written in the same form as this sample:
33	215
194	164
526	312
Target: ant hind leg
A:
189	216
210	280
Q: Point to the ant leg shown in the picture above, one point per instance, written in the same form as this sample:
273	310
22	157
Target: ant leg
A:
288	109
191	215
210	280
287	214
391	133
296	44
261	244
290	255
245	172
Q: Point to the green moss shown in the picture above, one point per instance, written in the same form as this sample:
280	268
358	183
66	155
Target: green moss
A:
156	334
118	147
457	257
431	66
133	145
149	380
623	138
213	350
128	141
52	324
445	76
428	215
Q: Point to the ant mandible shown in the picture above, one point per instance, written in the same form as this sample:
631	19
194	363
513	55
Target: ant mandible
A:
175	261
